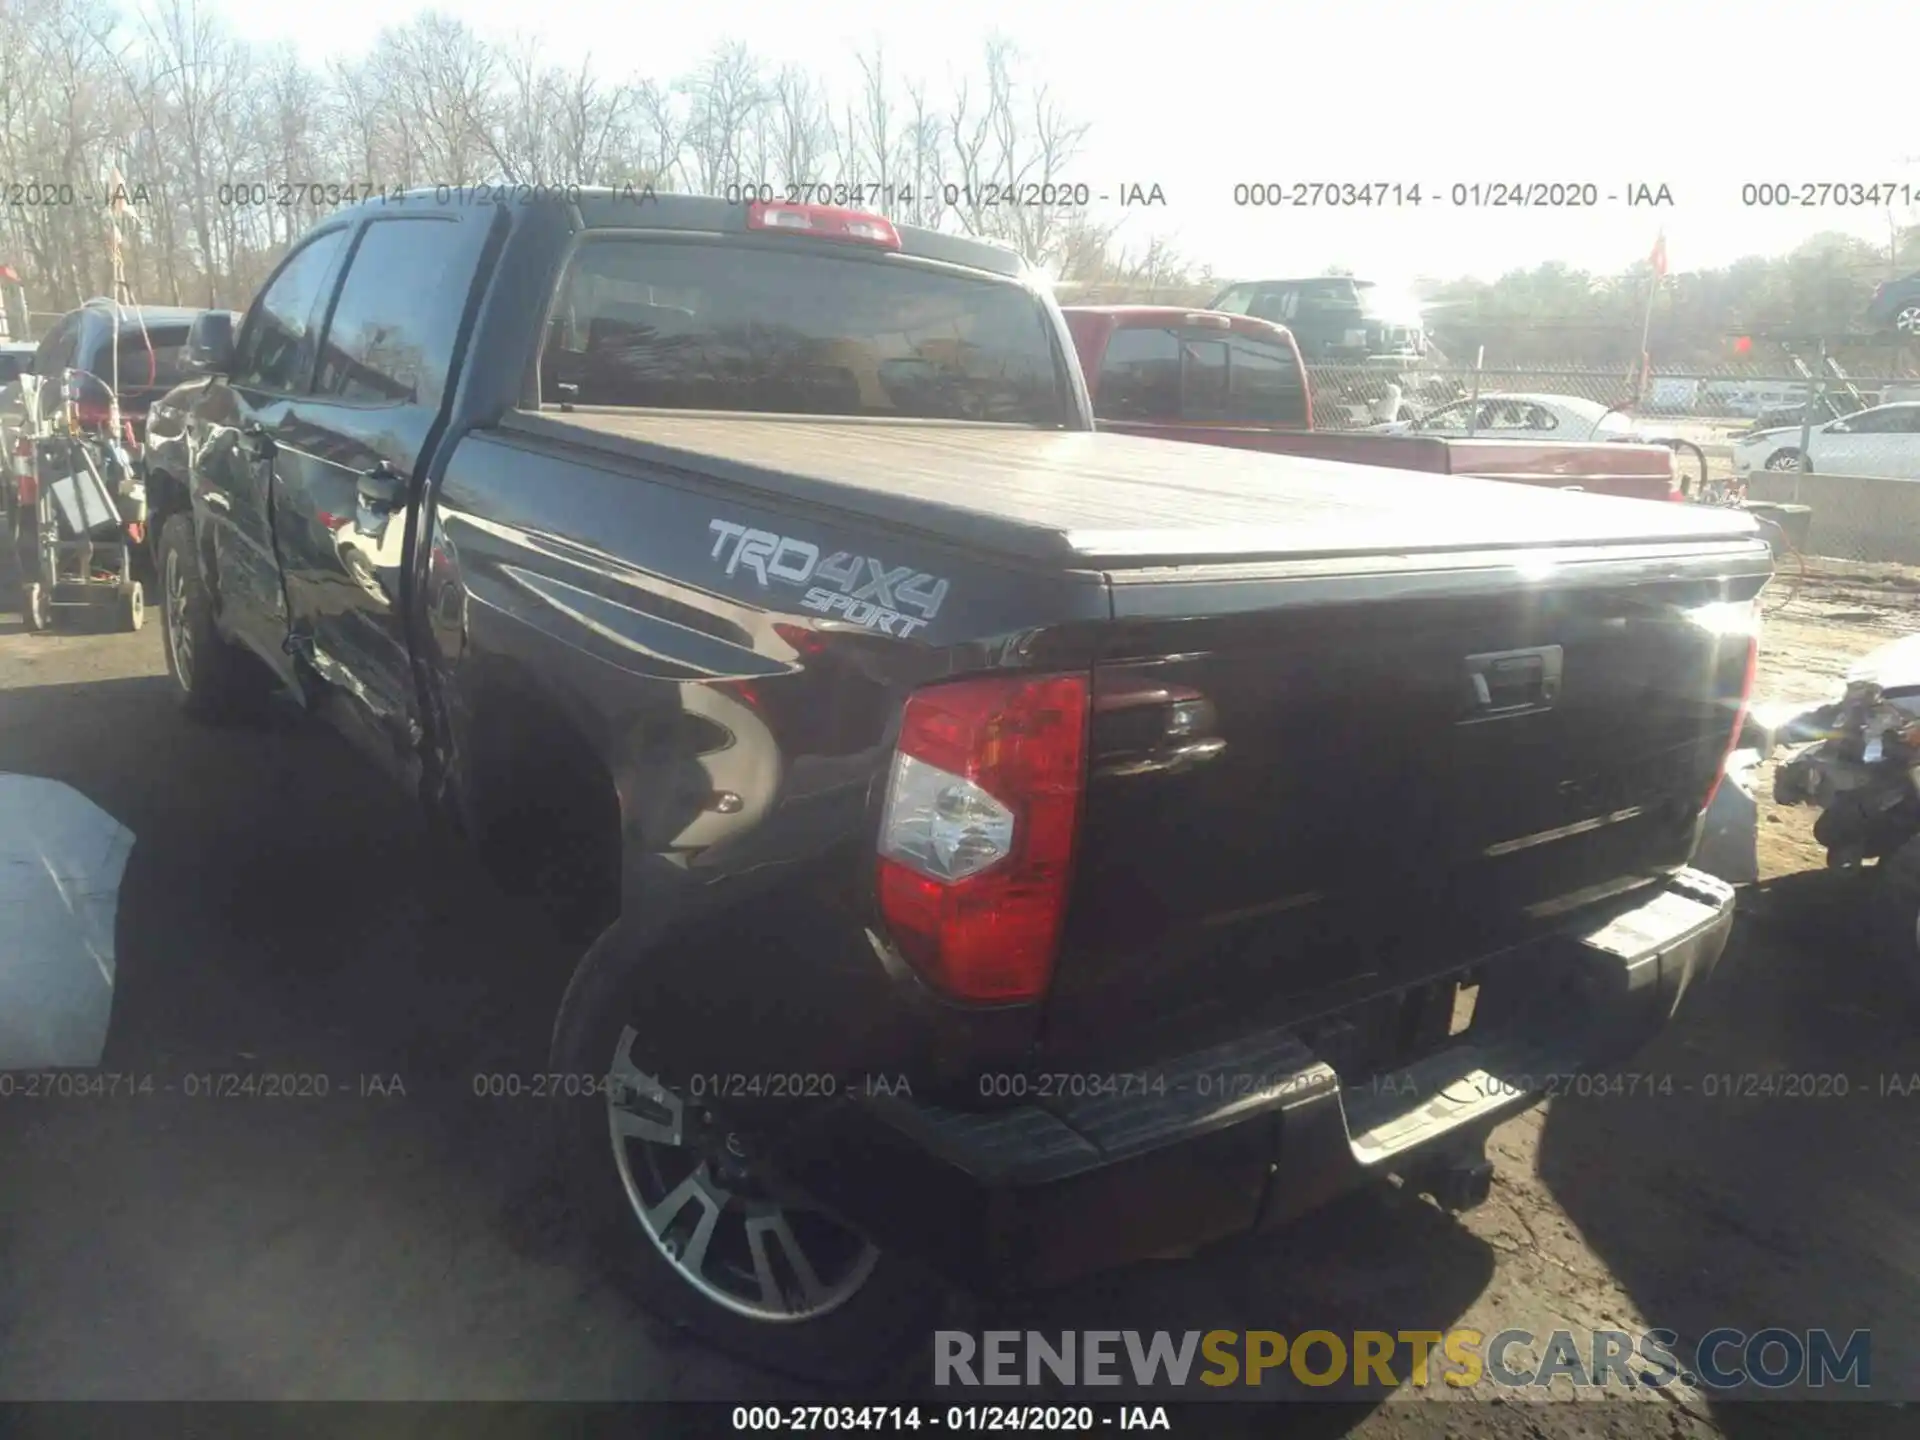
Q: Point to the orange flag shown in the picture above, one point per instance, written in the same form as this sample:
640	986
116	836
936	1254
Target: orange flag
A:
1659	257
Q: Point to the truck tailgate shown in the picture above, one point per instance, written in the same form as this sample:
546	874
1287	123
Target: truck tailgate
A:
1308	791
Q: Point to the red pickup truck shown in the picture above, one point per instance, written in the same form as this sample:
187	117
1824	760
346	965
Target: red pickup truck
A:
1217	379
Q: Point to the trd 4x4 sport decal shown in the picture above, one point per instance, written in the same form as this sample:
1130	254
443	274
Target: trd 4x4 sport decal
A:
859	589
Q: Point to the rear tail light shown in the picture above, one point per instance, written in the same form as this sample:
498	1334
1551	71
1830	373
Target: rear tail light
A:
824	222
29	490
977	837
1732	621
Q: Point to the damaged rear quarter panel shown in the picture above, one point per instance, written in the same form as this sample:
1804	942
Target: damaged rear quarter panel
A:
737	663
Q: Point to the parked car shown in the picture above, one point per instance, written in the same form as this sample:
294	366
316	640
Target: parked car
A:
1332	317
76	360
1522	417
1881	440
916	746
1232	380
1895	307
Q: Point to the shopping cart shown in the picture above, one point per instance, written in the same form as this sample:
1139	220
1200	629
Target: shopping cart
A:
82	518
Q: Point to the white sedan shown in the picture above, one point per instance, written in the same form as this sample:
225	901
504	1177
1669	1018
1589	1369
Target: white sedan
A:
1521	417
1883	440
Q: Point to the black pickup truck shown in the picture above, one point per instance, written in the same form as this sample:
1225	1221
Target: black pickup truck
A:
1013	850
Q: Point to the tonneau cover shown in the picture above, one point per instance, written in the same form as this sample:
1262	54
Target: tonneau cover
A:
1103	500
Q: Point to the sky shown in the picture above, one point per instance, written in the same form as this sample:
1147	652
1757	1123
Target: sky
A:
1698	96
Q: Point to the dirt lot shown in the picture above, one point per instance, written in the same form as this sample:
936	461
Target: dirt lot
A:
278	912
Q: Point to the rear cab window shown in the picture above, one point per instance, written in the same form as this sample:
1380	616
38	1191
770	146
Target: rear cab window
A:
1212	377
799	328
155	359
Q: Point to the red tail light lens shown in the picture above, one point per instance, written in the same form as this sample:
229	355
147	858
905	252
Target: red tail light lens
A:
824	222
29	490
977	838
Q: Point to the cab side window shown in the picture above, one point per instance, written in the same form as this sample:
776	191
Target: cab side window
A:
276	352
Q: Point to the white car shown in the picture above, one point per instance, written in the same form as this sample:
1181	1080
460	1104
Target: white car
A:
1883	440
1521	417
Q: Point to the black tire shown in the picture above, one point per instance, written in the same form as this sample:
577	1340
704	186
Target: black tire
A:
34	608
132	605
215	681
1896	917
848	1344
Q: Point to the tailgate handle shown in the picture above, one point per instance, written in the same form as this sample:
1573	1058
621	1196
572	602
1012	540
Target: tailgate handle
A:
1513	682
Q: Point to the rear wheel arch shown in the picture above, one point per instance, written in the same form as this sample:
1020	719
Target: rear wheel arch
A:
538	801
169	495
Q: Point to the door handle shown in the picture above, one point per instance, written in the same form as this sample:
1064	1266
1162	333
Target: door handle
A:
1513	682
263	445
382	489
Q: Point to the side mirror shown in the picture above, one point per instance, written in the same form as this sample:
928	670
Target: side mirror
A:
210	343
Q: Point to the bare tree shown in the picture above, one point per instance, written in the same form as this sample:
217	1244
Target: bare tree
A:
232	152
722	99
800	127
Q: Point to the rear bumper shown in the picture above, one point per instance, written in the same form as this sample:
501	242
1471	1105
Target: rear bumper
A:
1254	1133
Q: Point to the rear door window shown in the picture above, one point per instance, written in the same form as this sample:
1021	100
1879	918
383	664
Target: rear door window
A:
794	329
395	324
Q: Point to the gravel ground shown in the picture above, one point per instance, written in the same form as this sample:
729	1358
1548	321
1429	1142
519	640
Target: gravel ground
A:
280	911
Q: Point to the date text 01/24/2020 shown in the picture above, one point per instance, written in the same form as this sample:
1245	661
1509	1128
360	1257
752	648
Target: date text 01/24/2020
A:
1466	195
971	195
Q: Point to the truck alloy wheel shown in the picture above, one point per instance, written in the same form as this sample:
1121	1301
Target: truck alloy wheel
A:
692	1188
179	631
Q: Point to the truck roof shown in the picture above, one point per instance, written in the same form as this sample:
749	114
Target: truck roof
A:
640	207
1088	498
1173	314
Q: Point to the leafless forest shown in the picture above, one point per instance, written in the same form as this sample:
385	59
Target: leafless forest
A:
200	126
203	128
